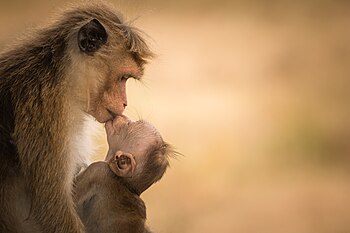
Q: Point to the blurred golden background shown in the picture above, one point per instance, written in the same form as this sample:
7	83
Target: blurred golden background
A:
255	94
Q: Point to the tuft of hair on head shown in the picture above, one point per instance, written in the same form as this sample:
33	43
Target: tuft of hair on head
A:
169	151
136	43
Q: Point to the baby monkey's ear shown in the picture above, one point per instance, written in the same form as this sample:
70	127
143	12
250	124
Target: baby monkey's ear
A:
122	164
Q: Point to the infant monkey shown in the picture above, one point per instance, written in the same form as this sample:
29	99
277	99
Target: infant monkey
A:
107	193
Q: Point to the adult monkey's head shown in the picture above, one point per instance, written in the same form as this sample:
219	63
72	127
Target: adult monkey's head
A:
104	53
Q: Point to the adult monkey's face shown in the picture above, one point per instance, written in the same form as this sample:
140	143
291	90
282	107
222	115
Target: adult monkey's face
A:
108	64
110	100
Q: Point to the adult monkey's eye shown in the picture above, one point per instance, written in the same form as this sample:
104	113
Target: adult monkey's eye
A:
125	77
128	76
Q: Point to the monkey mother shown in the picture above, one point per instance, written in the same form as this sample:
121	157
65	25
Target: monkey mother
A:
51	84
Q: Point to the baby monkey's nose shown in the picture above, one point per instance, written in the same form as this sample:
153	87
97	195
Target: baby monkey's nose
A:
120	120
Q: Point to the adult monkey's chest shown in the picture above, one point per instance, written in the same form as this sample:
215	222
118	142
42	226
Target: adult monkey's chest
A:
83	144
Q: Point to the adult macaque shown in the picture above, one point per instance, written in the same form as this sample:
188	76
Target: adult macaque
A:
107	193
50	83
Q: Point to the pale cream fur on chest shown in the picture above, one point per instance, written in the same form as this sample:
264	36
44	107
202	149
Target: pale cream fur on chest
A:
83	144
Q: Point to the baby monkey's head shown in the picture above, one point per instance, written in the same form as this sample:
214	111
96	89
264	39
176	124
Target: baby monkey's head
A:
137	153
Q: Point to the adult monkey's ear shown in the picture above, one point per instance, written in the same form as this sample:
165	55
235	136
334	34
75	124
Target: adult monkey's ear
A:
122	164
92	36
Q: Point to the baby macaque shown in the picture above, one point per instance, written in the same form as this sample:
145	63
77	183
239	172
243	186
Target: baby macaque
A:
107	193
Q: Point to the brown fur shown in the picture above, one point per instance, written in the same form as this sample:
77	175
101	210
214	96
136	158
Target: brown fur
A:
110	202
105	204
47	88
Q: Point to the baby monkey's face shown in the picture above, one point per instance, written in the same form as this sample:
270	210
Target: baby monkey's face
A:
137	152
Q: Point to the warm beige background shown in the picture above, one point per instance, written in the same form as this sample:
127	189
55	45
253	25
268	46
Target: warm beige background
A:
255	95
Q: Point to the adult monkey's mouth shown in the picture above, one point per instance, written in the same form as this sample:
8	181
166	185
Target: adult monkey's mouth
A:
114	115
